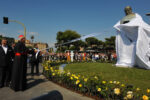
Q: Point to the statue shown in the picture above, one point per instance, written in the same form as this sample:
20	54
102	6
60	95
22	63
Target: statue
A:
129	15
132	41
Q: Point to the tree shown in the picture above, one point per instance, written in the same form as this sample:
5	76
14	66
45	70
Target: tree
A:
32	38
110	43
66	36
92	41
79	44
100	45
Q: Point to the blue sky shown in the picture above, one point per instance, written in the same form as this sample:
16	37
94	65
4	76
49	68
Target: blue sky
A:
44	18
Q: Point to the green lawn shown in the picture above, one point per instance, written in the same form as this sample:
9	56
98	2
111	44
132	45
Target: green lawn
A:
137	77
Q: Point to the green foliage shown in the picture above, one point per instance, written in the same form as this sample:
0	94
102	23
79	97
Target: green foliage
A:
79	44
94	84
1	37
92	41
110	43
66	36
137	77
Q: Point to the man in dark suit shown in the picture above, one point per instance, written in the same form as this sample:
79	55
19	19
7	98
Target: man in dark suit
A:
35	59
6	55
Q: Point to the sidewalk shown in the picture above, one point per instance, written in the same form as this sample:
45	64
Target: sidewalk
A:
37	86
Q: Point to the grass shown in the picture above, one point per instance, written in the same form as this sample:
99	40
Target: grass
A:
137	77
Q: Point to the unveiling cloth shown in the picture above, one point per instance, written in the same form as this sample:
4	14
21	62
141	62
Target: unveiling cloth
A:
133	43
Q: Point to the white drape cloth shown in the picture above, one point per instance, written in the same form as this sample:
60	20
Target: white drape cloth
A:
133	43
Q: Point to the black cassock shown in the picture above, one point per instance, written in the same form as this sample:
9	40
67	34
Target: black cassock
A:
19	71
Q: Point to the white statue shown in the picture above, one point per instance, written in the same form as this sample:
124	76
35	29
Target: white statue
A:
132	40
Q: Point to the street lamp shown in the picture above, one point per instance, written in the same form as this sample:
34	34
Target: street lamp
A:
5	21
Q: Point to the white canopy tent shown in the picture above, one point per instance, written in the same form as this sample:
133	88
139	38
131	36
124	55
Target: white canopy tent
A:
133	43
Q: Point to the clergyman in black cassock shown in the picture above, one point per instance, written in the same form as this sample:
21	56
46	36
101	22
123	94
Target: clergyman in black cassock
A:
19	71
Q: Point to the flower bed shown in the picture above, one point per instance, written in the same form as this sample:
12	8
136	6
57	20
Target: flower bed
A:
93	85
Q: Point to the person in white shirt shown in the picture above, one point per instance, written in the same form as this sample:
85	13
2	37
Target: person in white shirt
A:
35	59
6	55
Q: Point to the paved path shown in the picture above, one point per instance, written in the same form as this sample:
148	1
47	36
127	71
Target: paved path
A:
37	86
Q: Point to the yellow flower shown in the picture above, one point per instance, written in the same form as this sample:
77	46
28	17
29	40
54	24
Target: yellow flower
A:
129	92
137	89
71	78
77	82
129	96
72	75
96	77
46	69
148	90
110	82
145	97
125	98
99	89
68	73
85	80
80	85
53	74
106	88
51	68
56	70
117	91
78	75
48	61
122	85
118	82
114	82
104	82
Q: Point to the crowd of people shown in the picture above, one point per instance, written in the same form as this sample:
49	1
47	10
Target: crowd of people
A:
13	66
83	56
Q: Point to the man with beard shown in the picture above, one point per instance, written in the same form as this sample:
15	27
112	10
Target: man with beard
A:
18	82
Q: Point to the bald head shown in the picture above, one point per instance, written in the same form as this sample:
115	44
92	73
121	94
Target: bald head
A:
128	10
